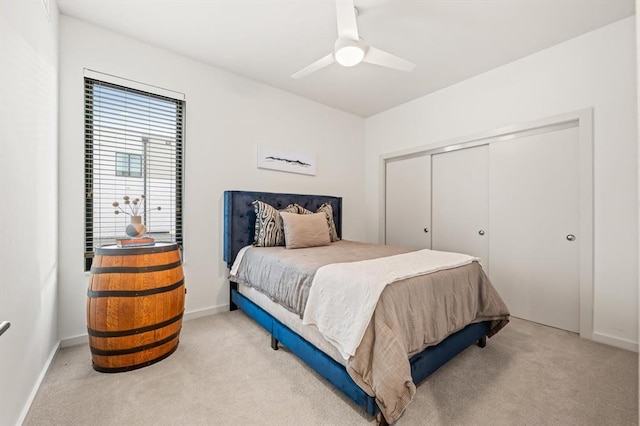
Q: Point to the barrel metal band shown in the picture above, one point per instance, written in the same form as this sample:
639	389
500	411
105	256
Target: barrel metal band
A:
134	269
127	351
135	366
113	250
121	333
134	293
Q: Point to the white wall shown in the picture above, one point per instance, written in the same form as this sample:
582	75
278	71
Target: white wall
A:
638	127
226	117
596	70
29	197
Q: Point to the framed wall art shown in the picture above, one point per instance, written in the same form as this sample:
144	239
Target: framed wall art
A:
286	160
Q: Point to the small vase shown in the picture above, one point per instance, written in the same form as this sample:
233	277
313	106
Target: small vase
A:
136	228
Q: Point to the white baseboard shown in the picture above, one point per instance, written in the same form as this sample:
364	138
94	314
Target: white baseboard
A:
73	341
615	341
191	315
36	386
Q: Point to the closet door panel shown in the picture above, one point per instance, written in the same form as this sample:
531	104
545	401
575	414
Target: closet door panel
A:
534	215
460	202
408	202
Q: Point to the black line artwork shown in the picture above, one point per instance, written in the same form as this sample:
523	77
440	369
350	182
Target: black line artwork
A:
286	160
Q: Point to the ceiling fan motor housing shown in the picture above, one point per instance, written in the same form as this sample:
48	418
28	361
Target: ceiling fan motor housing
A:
349	52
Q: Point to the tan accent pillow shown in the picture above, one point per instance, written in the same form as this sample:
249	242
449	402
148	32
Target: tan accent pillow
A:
305	230
328	210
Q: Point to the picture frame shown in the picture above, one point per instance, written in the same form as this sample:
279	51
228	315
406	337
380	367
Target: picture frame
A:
286	160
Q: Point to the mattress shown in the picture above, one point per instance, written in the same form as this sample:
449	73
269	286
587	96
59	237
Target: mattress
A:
293	321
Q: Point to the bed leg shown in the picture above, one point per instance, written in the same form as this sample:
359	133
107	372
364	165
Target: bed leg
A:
274	343
482	342
381	420
232	286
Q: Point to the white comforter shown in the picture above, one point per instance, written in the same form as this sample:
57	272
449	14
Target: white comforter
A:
344	295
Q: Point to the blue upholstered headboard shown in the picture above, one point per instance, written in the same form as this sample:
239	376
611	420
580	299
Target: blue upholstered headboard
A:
240	217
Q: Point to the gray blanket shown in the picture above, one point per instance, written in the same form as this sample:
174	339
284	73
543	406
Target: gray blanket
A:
285	276
411	314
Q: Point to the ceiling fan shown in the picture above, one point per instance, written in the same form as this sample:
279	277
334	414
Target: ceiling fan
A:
350	49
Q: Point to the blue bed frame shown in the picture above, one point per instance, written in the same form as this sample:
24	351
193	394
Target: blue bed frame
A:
239	223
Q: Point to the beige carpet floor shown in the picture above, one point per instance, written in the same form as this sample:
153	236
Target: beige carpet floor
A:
225	373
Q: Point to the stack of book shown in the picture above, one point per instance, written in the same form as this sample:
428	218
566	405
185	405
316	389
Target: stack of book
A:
136	242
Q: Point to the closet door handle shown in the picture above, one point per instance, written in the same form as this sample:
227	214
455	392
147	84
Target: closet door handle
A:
426	230
4	327
481	232
571	237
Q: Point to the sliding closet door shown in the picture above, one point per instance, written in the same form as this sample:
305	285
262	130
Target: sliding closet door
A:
534	219
408	195
460	202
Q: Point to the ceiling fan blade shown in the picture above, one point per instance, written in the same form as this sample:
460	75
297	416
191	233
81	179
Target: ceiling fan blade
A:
319	64
347	27
382	58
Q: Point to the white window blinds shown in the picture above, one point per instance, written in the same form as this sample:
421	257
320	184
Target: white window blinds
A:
133	147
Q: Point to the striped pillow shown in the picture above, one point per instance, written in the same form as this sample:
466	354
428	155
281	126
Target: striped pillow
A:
328	211
268	229
300	209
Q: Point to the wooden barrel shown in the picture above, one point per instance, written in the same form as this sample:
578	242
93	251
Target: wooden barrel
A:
135	305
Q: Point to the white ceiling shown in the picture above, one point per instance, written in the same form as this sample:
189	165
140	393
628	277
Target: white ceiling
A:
268	40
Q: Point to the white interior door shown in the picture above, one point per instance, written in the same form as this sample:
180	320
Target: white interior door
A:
534	220
460	202
407	202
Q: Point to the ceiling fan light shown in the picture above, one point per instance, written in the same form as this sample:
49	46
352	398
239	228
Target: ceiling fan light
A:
348	52
349	56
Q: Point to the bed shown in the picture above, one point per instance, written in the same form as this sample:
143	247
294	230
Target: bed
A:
358	376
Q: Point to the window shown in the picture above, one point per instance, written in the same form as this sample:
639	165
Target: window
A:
128	164
133	147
